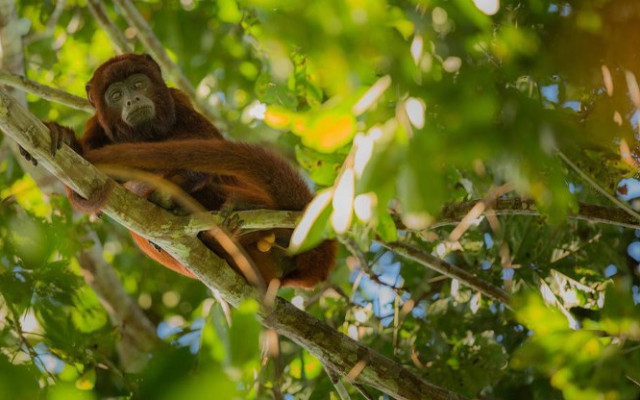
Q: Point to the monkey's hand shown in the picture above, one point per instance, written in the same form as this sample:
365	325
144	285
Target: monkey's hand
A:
231	221
59	134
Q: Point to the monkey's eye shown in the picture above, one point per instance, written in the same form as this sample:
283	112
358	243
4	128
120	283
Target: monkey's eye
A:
115	95
138	84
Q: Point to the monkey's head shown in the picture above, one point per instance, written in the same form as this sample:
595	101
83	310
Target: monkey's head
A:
132	101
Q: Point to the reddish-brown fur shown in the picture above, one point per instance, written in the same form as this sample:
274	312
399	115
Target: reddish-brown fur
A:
181	145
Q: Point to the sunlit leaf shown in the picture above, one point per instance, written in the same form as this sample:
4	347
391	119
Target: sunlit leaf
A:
311	228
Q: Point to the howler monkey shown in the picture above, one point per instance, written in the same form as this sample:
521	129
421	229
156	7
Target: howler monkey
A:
140	122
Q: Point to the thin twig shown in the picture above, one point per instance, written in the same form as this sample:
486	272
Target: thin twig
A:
453	213
15	317
45	92
51	24
351	245
598	187
116	37
363	391
449	270
337	383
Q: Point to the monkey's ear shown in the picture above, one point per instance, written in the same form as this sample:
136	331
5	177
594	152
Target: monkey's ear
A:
87	87
152	61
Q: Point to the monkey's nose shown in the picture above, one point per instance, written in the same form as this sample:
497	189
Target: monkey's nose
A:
135	100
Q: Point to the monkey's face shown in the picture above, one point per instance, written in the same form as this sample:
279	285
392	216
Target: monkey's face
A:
132	100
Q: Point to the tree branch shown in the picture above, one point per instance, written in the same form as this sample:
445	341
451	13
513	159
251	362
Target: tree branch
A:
331	348
12	56
623	206
453	213
51	24
119	42
44	91
448	270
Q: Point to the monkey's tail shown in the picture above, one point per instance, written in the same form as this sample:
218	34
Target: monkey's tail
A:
250	164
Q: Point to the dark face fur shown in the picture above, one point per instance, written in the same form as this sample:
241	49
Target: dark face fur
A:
132	101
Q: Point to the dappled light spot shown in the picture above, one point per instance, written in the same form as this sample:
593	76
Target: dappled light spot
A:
452	64
633	250
145	301
626	155
171	298
415	110
364	151
376	133
488	241
489	7
550	92
364	205
170	326
610	271
416	49
441	22
628	189
343	202
608	80
632	85
439	16
352	331
617	118
417	220
298	301
360	316
574	105
475	302
271	342
257	110
547	294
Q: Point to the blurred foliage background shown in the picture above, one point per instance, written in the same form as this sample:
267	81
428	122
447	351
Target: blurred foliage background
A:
393	109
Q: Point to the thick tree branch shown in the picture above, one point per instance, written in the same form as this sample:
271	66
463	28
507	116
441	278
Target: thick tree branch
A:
12	60
332	348
451	214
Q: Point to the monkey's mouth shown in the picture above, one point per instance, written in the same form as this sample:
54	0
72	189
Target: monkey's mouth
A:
140	115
